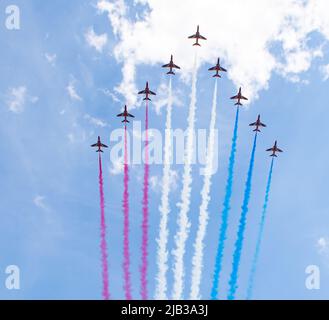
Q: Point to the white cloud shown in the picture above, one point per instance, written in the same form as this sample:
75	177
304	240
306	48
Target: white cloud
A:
95	121
72	91
325	72
51	58
18	97
110	94
71	137
156	182
39	201
117	166
322	245
96	41
49	219
242	32
162	97
77	137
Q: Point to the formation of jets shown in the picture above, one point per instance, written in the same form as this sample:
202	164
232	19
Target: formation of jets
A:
257	124
171	65
274	149
239	97
125	114
99	145
147	92
197	36
217	68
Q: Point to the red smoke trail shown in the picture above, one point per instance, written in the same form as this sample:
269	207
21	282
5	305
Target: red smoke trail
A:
143	269
103	244
126	256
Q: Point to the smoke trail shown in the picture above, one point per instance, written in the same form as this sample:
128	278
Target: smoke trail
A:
145	213
162	254
103	244
225	212
126	255
242	226
182	221
204	215
260	235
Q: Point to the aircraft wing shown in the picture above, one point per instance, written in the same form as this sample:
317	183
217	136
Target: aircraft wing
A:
213	68
166	65
235	97
153	93
222	69
253	124
130	115
104	145
279	150
262	124
94	145
193	36
176	66
202	37
244	98
142	92
270	149
120	115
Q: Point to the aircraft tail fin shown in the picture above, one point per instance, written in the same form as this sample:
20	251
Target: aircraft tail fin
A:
125	121
256	130
216	76
148	99
99	150
197	44
170	72
274	155
238	104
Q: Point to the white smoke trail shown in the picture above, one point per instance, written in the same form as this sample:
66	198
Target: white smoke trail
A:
203	214
162	254
183	223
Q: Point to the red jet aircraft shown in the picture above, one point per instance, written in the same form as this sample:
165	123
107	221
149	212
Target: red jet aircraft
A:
197	36
239	97
217	68
125	114
170	65
257	124
99	145
274	149
147	92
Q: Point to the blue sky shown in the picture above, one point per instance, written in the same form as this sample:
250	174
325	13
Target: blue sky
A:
49	188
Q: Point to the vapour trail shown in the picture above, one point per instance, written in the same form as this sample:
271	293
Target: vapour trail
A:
242	226
103	245
162	253
260	235
225	212
145	226
126	254
183	223
203	214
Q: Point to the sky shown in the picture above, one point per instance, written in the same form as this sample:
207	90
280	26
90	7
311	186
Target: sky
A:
70	69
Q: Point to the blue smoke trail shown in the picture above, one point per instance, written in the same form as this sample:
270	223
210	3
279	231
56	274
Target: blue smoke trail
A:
260	235
242	226
225	212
